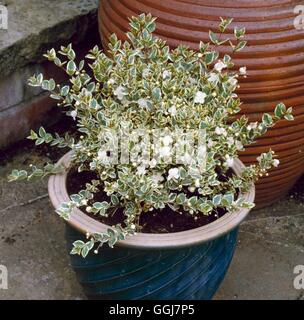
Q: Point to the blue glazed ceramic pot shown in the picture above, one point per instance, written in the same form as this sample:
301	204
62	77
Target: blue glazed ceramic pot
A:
180	274
182	265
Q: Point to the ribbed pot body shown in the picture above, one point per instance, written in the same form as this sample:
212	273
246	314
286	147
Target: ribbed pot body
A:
274	58
138	274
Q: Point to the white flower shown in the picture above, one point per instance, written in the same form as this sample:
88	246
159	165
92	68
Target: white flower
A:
166	74
252	125
210	143
200	97
197	183
84	202
165	151
219	66
167	140
157	177
187	158
143	103
233	81
172	111
120	92
145	73
276	162
192	80
141	169
239	145
230	141
102	154
213	77
229	161
153	163
74	114
111	81
201	152
103	157
221	131
243	71
173	173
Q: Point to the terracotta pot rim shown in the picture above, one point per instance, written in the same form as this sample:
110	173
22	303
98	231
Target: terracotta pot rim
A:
85	224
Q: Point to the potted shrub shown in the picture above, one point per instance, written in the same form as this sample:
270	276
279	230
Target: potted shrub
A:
154	171
273	57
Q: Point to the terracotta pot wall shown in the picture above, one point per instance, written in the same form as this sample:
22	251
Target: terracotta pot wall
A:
274	58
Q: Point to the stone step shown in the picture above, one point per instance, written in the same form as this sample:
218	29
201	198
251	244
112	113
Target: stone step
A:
35	26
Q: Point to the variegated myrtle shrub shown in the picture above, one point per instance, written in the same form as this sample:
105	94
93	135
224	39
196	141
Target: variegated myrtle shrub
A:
140	85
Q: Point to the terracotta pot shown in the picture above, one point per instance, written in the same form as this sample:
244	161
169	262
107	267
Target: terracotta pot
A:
183	265
274	59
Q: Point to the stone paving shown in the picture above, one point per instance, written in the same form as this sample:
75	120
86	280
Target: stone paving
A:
32	247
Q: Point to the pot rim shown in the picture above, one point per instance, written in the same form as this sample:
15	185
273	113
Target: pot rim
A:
85	224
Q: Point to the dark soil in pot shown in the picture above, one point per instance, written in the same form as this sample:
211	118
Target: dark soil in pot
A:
157	221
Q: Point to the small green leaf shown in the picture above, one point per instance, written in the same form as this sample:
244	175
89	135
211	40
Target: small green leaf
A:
205	207
33	135
210	57
239	32
114	200
84	252
203	47
71	54
42	132
289	117
39	141
172	197
240	46
181	199
156	94
64	91
45	85
52	84
267	119
213	37
76	198
202	125
78	243
227	199
193	201
224	24
101	207
71	68
183	173
217	200
151	26
280	110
